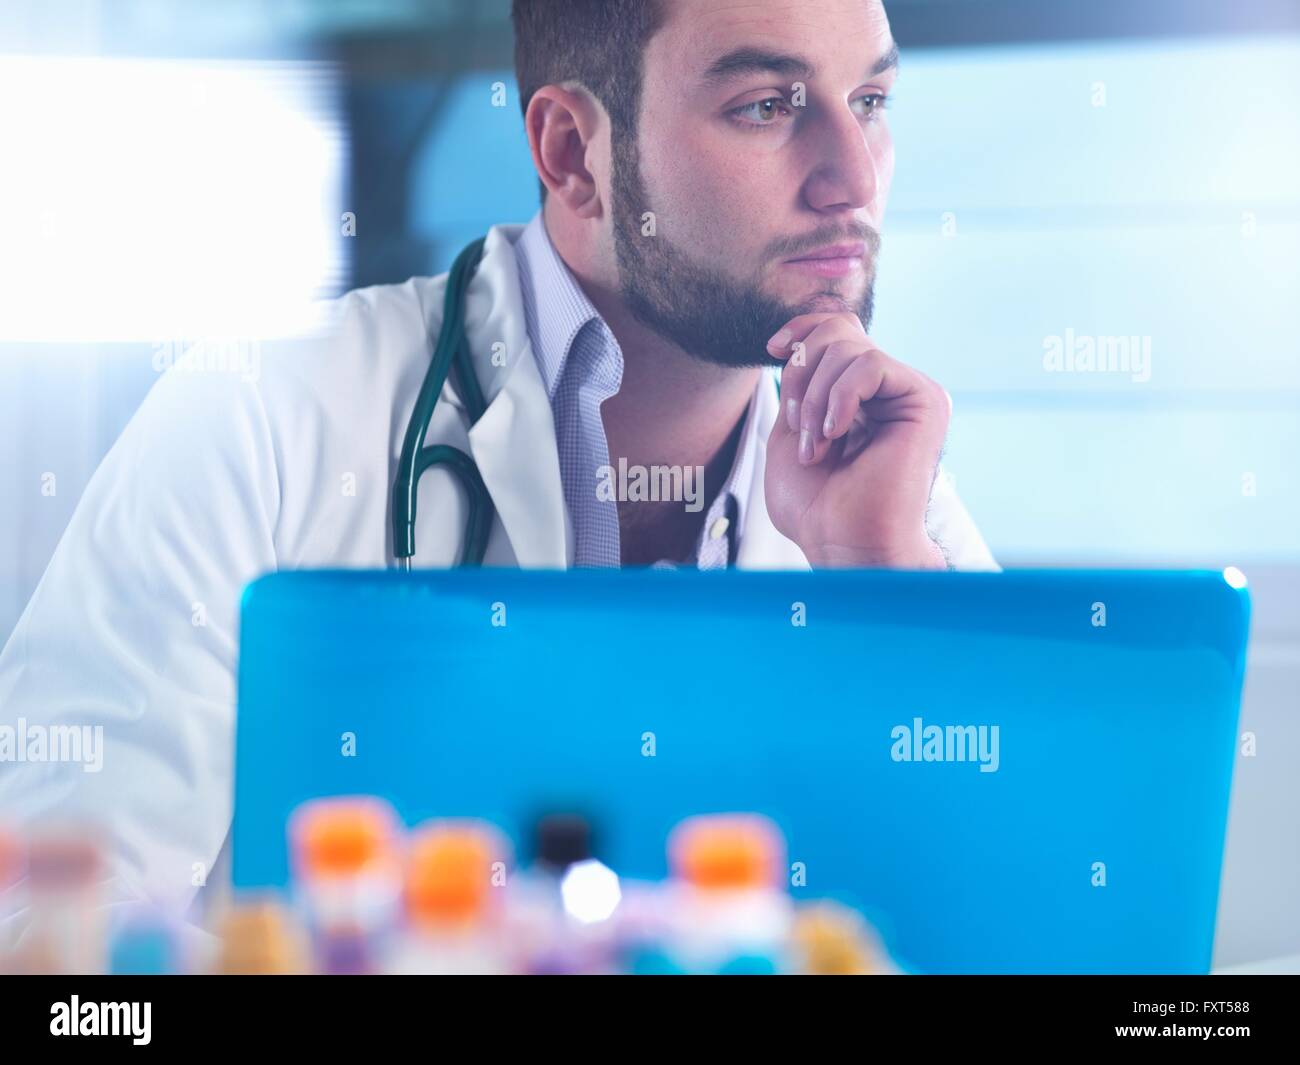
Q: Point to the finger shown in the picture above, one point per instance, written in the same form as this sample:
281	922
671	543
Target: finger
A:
790	342
836	359
796	329
890	390
812	335
805	332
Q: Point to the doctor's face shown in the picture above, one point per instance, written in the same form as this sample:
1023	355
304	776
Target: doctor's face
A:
763	153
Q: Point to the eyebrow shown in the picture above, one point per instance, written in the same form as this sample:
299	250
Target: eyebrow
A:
748	60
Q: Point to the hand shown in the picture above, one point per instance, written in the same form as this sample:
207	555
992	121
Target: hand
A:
853	455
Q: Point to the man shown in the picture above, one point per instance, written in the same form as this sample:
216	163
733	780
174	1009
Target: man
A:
714	179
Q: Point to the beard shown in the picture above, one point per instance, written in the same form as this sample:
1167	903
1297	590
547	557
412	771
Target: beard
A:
706	313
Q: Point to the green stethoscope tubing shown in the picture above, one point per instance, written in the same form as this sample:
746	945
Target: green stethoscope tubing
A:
451	348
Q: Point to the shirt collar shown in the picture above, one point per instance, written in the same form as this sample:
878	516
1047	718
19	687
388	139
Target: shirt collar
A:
554	322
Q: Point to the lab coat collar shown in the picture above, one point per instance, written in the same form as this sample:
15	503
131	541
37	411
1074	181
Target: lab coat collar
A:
513	443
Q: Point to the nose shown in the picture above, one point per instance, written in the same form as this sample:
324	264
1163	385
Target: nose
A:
846	172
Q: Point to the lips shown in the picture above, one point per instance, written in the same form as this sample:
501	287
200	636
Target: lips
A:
831	260
854	249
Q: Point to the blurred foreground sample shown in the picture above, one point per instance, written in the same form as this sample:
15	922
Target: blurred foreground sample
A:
369	896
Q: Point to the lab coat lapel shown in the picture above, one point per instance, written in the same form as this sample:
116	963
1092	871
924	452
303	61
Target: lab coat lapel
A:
513	443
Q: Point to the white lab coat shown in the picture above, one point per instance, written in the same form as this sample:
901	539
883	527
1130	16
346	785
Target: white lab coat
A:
218	479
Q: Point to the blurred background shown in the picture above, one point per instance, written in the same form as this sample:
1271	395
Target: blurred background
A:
1117	172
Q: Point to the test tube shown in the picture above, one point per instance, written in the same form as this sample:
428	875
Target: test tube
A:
730	912
455	876
260	937
65	933
348	879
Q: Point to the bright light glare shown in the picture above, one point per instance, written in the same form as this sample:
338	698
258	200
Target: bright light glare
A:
1234	577
590	891
156	198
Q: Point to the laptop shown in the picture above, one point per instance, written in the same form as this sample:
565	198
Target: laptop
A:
1024	772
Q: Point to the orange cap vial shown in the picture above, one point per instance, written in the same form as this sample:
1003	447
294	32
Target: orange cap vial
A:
451	872
343	837
727	851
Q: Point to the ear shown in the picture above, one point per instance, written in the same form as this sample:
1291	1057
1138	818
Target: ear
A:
562	126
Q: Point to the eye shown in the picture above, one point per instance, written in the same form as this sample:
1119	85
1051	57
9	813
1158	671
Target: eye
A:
760	112
872	105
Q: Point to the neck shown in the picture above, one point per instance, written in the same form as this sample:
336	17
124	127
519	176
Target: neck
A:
672	409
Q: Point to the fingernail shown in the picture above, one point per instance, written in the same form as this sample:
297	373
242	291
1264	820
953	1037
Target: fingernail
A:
792	415
828	426
805	446
781	339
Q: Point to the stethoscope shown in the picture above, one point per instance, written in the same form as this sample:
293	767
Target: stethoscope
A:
451	347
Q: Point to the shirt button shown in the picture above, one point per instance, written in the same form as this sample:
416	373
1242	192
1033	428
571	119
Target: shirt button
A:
718	528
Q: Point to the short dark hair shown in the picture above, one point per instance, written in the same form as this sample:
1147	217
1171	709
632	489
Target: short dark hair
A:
598	43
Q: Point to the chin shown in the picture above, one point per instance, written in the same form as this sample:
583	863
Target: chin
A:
827	302
820	298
